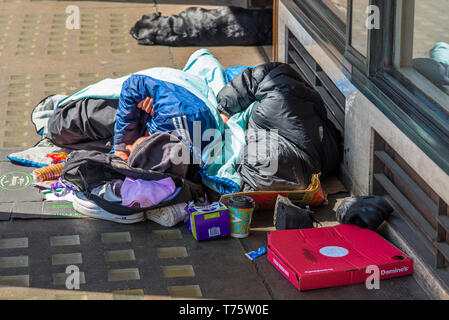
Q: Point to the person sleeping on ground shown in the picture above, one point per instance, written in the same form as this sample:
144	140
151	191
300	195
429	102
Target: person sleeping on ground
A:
147	106
112	114
106	117
303	141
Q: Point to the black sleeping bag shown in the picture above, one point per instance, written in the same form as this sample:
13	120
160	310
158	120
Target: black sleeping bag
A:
202	27
86	124
307	142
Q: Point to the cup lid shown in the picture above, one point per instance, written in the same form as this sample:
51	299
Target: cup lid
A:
243	202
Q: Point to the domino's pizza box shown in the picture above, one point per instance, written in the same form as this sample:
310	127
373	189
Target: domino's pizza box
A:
334	256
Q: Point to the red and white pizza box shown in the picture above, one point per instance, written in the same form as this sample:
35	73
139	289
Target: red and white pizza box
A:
334	256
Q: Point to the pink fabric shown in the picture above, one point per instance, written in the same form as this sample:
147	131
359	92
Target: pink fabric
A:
147	193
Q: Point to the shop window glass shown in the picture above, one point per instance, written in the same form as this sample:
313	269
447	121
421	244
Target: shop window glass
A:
334	11
431	41
338	8
359	31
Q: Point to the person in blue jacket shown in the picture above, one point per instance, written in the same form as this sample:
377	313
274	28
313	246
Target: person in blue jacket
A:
148	105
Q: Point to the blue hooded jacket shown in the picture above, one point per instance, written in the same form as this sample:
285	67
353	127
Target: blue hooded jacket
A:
176	110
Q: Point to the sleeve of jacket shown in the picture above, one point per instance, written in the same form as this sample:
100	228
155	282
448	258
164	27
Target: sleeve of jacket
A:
238	95
129	119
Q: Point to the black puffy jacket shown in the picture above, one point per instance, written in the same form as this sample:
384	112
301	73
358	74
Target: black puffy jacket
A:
307	141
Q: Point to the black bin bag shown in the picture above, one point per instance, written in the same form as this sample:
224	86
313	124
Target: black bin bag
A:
367	212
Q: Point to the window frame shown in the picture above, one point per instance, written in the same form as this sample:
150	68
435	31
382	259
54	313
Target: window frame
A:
377	80
402	59
330	30
356	58
400	100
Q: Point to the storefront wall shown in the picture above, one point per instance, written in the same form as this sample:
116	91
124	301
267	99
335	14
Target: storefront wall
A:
362	120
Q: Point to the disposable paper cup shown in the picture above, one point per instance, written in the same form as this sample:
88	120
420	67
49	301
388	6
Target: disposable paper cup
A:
240	214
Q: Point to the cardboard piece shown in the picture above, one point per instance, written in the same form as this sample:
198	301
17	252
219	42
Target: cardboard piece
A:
45	210
314	196
334	256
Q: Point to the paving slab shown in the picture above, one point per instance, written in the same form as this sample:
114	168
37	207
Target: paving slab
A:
40	56
6	210
5	153
228	56
214	269
44	210
16	183
40	59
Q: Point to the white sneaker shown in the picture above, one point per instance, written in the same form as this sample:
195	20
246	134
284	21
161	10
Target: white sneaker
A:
90	208
106	191
167	216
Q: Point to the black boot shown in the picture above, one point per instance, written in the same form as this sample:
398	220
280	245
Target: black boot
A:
289	216
366	212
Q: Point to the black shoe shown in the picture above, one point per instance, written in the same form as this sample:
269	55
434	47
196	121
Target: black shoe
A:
289	216
367	212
